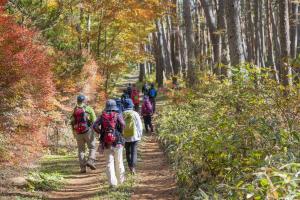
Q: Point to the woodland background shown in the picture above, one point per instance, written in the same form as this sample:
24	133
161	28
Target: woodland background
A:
232	131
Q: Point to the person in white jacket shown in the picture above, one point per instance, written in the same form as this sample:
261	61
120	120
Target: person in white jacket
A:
132	133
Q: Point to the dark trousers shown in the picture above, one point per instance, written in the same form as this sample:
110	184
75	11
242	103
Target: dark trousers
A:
131	153
148	123
153	102
136	107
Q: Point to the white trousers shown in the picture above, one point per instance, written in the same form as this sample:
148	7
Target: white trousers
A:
115	170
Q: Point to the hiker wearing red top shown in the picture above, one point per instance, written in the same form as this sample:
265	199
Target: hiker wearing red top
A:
147	112
135	96
110	126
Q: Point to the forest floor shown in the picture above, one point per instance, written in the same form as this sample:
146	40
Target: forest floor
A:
154	179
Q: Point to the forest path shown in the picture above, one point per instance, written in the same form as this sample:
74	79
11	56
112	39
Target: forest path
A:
154	179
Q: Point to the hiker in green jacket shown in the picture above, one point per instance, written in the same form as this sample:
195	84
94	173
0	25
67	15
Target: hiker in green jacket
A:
82	120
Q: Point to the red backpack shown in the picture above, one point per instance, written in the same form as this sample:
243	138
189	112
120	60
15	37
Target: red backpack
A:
81	123
135	96
109	123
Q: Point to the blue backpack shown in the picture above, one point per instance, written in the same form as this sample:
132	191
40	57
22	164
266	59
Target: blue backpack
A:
152	93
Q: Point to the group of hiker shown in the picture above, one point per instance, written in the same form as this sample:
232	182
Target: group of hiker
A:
118	125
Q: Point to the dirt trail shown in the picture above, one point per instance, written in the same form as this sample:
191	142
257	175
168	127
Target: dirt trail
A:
154	178
83	186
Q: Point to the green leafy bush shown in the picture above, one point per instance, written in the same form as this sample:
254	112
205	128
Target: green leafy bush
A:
221	136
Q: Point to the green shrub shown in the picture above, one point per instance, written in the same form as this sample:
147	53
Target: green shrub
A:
221	135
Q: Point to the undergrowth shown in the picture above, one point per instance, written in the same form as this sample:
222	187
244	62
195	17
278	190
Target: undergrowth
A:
234	140
39	181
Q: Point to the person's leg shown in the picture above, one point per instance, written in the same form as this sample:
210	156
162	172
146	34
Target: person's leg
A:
154	105
134	155
136	107
146	124
81	151
91	142
119	165
110	168
150	123
128	153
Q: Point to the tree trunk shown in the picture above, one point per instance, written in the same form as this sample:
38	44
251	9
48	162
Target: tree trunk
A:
191	76
168	66
183	54
224	45
88	32
276	41
215	37
142	72
234	32
175	41
158	59
270	46
294	28
284	35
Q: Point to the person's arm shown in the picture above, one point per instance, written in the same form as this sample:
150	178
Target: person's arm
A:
97	124
139	124
121	123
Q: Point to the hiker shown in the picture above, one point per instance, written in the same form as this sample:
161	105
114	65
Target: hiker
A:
119	105
129	89
132	133
124	95
152	96
145	89
82	119
175	84
110	125
135	96
147	113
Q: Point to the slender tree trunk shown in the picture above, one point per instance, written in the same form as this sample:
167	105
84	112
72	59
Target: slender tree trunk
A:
79	29
158	59
88	42
294	28
234	32
192	77
142	72
223	46
214	35
284	35
276	41
183	54
168	66
270	46
249	33
174	37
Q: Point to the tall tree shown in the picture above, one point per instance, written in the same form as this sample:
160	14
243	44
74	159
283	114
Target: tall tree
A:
175	39
215	36
234	32
284	35
191	75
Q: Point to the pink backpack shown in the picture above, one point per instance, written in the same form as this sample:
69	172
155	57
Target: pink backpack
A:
147	108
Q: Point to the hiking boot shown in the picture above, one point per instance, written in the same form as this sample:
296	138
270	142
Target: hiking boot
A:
133	172
91	164
83	170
